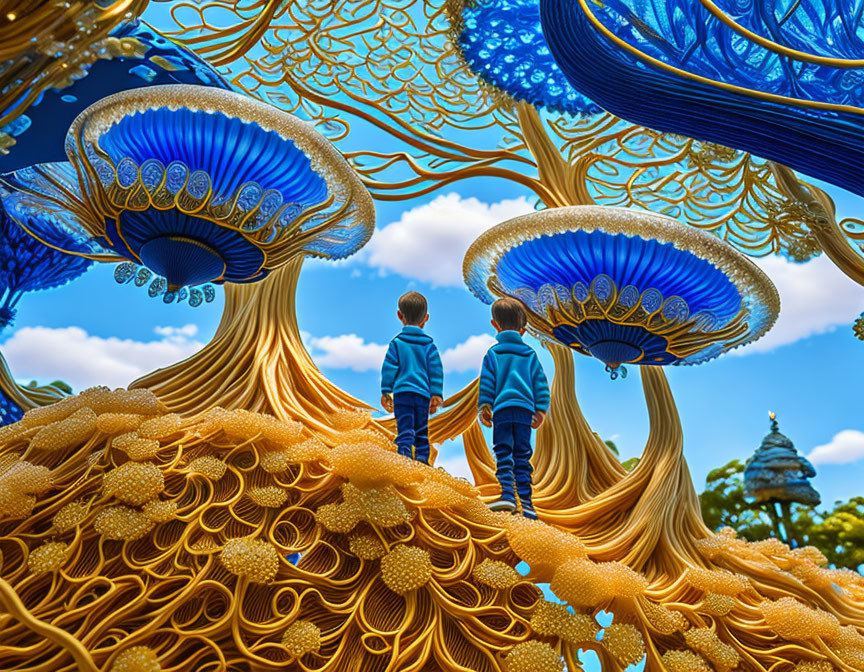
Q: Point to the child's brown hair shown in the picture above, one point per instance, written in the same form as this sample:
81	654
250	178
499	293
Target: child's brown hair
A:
413	307
509	314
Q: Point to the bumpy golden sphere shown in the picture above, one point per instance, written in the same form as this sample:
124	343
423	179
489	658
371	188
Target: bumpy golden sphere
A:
814	666
49	557
662	619
809	573
340	518
721	581
70	516
406	568
772	547
160	427
624	642
122	523
277	461
137	659
366	546
367	465
812	554
68	433
550	619
380	506
716	604
370	436
706	642
16	505
160	511
496	574
279	432
584	583
134	482
268	497
22	476
103	400
254	559
533	656
542	546
685	661
345	420
436	495
302	637
792	620
135	447
208	466
118	423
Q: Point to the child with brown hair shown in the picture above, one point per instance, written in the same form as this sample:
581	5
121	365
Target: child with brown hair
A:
514	398
412	379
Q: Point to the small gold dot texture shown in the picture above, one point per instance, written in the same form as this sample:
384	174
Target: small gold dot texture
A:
134	482
161	427
550	619
302	637
706	642
439	496
68	433
160	511
347	419
542	546
718	581
792	620
70	516
118	423
137	659
406	568
496	574
268	497
685	661
366	546
717	605
367	436
48	557
379	506
662	619
19	484
122	523
135	447
255	559
533	656
814	666
209	467
583	583
311	450
624	642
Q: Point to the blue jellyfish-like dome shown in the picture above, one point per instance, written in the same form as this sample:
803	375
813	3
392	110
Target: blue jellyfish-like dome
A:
624	286
199	185
782	80
28	265
141	57
503	43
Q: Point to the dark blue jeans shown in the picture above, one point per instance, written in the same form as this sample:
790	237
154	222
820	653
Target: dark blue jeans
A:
412	425
511	438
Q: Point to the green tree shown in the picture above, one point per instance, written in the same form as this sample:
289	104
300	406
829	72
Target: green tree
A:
838	532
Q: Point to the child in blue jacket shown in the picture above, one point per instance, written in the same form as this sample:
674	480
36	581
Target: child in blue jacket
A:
412	379
514	398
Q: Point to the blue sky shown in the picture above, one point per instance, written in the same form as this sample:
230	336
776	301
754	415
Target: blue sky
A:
807	369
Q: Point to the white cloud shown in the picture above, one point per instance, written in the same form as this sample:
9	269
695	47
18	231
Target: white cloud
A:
815	297
468	355
846	446
83	360
347	351
350	351
429	241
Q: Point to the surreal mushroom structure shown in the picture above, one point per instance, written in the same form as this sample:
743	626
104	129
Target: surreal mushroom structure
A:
626	287
196	185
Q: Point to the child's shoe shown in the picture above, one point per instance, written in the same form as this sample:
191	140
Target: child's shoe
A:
506	505
529	513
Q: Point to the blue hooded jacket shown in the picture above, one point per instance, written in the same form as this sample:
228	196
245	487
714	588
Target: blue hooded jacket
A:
413	365
512	376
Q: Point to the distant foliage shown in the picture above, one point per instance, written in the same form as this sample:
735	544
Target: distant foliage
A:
27	265
837	532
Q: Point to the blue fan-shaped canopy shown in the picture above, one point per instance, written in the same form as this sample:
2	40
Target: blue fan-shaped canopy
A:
783	80
197	185
28	265
502	42
144	58
624	286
